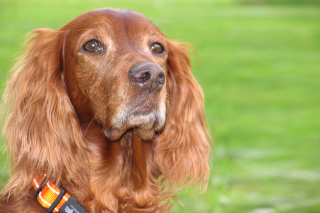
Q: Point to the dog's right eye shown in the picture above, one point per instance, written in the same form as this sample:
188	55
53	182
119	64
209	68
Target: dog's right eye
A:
93	46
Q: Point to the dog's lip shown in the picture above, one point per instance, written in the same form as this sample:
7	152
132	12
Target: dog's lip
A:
144	106
114	134
144	109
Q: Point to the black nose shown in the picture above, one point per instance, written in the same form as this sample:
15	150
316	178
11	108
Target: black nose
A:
147	76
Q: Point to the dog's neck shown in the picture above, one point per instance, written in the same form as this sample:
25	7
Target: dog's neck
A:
134	160
124	167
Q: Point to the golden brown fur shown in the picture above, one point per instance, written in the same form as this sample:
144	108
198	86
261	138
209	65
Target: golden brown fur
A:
75	115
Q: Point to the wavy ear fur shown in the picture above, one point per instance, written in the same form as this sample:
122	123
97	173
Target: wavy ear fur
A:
42	128
182	149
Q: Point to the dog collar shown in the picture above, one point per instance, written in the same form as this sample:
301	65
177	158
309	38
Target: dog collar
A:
53	198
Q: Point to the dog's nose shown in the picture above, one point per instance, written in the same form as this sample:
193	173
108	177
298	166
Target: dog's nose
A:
148	76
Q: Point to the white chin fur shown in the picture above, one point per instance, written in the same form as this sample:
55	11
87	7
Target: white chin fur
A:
127	118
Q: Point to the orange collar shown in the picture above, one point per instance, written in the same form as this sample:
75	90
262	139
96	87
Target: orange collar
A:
48	195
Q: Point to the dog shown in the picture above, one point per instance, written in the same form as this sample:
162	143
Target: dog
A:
103	115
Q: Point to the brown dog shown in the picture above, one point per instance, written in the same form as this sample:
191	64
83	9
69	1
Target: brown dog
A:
107	108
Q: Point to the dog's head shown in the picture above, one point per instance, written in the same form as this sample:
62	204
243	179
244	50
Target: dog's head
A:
116	63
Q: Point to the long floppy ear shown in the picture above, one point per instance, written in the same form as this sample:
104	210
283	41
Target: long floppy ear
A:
42	130
182	149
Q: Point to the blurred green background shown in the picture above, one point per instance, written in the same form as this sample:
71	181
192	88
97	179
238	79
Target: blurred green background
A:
258	62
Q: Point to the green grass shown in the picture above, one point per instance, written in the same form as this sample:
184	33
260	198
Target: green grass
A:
259	66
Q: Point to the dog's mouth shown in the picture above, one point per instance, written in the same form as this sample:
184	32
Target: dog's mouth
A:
143	110
145	120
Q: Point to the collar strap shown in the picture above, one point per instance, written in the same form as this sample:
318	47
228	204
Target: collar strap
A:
53	198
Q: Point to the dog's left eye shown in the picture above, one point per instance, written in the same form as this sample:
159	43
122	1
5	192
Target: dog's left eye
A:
93	46
157	48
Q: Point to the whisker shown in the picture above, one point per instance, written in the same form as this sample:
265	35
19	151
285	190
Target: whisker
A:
94	118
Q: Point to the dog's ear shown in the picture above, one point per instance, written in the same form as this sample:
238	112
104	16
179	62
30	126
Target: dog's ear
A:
42	130
182	149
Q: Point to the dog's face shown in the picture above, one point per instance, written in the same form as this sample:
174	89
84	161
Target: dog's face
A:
115	61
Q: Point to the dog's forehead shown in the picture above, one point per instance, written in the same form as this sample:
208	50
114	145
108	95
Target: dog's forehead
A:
116	28
119	19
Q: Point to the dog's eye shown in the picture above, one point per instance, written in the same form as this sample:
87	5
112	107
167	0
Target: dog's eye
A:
157	48
93	46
